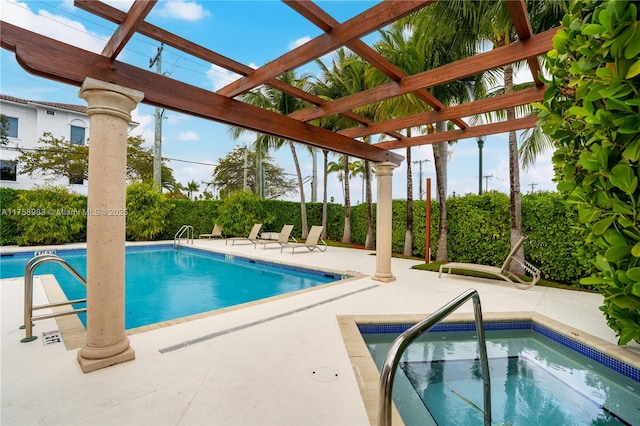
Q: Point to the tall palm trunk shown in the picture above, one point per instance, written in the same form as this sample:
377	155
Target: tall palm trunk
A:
408	233
346	236
303	205
325	168
369	241
440	162
515	205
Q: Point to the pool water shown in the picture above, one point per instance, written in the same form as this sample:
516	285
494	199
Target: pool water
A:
164	284
534	381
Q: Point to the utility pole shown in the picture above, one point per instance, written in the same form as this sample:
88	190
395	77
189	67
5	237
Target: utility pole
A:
533	185
157	143
419	162
487	177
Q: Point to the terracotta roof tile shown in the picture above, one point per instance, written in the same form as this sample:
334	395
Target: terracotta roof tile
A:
69	107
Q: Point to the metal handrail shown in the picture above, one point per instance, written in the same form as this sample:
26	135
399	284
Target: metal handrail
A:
188	229
28	294
401	342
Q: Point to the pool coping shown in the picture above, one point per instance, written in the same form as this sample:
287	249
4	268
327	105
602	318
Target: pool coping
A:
367	374
74	333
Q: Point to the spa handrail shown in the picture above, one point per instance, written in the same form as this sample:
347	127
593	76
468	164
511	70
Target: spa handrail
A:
188	229
398	346
28	294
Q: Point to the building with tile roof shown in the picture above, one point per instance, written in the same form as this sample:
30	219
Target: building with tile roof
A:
28	121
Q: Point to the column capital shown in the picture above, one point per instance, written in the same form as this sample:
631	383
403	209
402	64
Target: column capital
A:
109	98
385	168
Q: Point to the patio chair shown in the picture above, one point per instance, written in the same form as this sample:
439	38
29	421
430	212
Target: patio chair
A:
502	272
216	233
252	238
313	241
284	238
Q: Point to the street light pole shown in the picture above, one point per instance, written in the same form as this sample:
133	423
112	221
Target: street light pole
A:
480	145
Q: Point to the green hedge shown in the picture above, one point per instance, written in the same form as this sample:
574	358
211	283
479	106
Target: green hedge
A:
478	227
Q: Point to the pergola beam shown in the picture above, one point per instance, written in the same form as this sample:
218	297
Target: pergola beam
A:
58	61
535	45
513	99
471	132
139	10
522	24
368	21
325	22
112	14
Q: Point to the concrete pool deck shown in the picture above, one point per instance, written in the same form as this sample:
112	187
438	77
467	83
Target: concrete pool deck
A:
278	363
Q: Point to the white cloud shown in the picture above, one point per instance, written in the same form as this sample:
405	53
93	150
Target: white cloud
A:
51	25
123	5
183	10
145	127
188	136
220	77
299	42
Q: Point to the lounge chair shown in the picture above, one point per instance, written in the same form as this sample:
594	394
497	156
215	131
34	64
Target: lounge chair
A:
252	238
502	272
284	238
313	241
216	233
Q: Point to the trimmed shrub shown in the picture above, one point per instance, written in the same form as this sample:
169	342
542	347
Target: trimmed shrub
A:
52	215
146	212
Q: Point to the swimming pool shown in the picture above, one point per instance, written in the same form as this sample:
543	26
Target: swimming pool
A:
536	373
164	284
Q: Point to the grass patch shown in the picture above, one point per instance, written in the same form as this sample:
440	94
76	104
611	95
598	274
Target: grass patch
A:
435	267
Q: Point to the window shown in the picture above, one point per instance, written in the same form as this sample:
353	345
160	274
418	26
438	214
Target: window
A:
12	127
77	135
8	170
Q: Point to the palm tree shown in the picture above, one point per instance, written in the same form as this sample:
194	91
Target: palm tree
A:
489	21
344	77
415	50
191	188
283	103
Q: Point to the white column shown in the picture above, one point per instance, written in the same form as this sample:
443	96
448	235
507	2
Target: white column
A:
109	110
384	174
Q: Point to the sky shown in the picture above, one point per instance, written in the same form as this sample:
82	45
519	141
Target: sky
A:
253	32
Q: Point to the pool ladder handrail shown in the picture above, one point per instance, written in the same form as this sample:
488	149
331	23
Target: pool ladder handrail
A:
188	229
28	294
401	342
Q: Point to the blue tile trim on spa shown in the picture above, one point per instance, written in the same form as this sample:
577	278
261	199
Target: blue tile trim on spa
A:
602	358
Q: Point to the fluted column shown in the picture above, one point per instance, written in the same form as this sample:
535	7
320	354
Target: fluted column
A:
109	110
384	174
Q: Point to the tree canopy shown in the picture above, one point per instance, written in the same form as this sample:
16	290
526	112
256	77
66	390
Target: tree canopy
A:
228	175
58	157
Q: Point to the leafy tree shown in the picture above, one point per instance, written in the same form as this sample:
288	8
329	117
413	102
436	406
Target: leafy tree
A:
58	157
4	130
240	211
592	111
228	175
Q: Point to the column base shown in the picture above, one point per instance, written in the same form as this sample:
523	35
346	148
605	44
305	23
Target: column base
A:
385	278
88	365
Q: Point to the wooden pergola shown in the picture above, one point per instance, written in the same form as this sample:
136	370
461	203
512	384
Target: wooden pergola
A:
55	60
113	89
